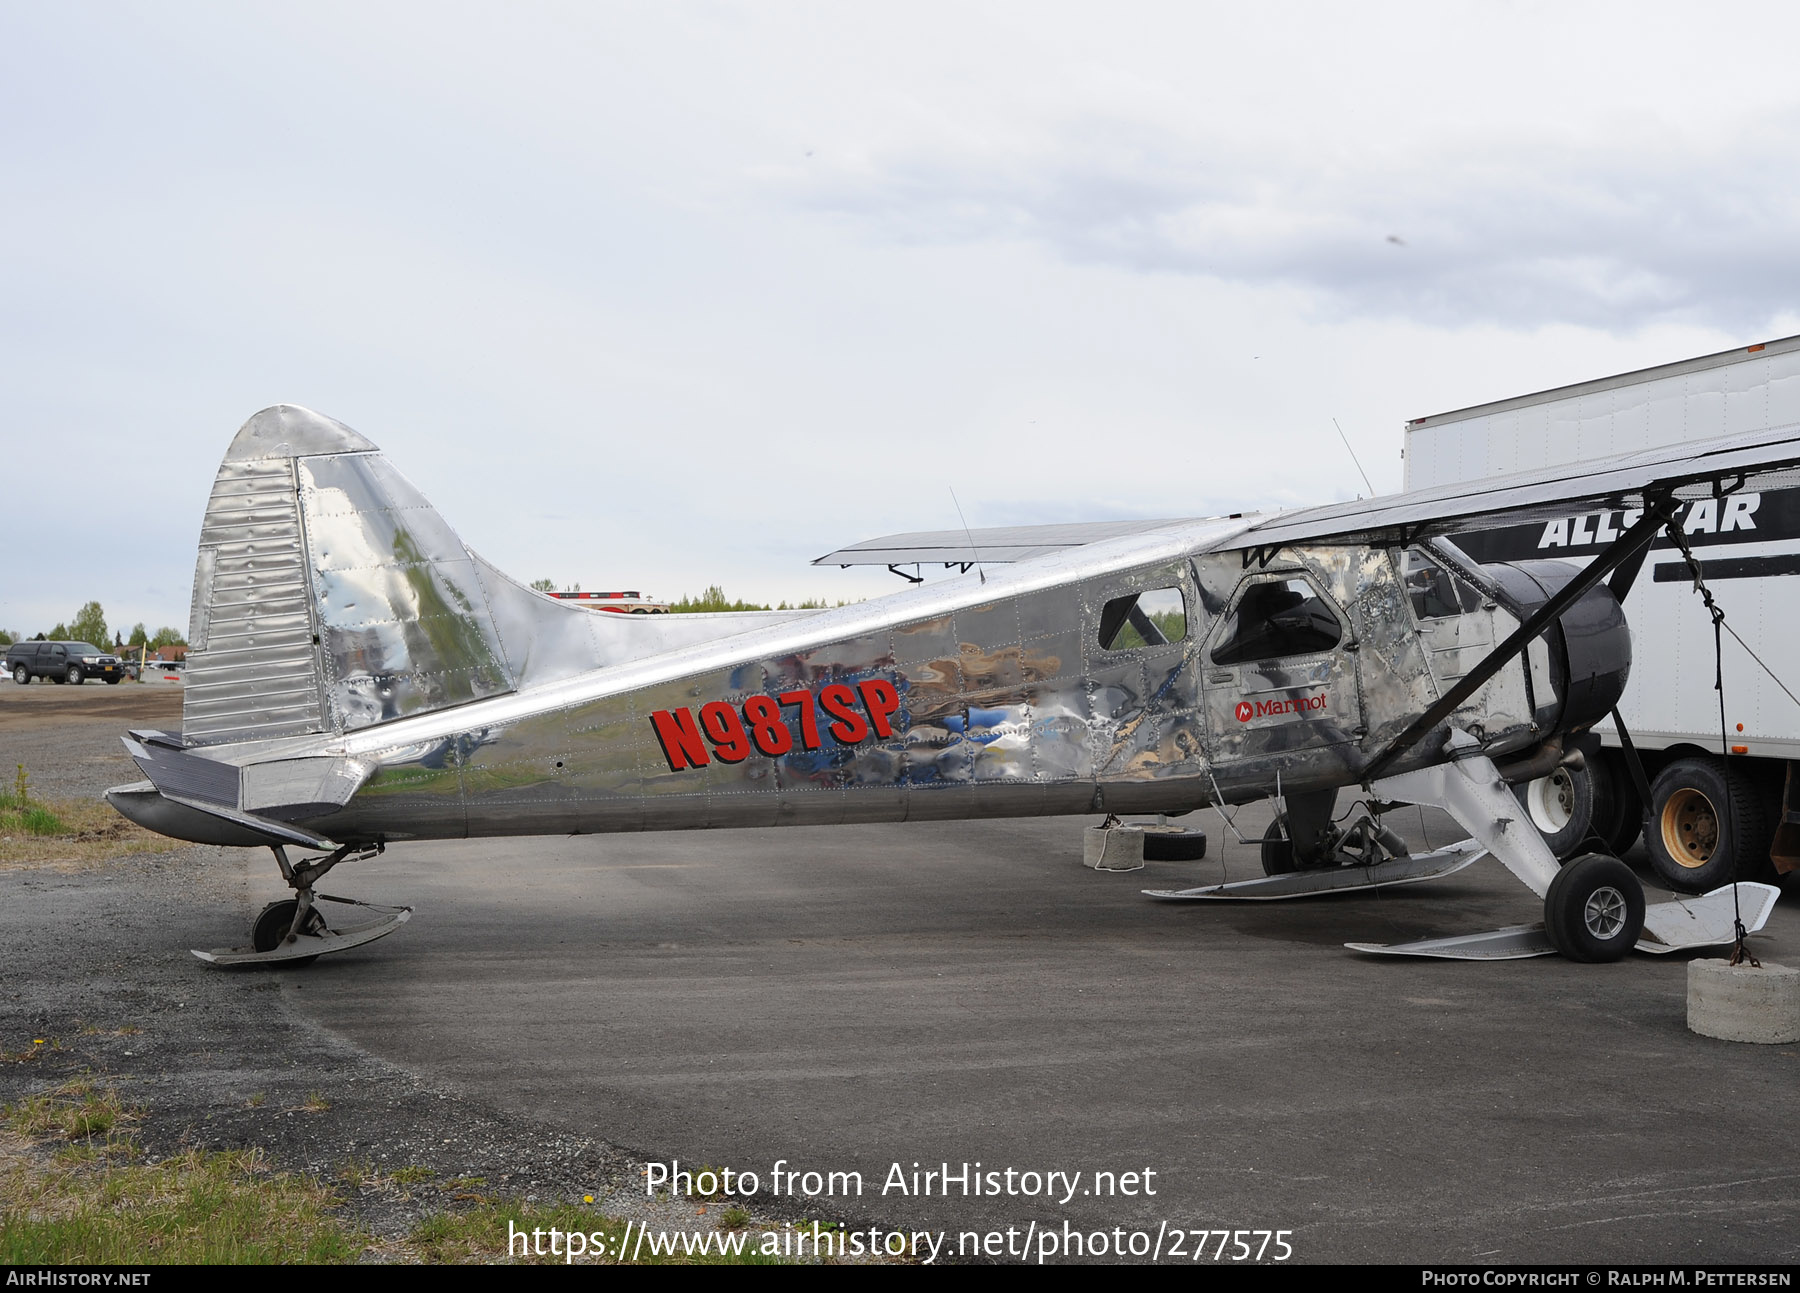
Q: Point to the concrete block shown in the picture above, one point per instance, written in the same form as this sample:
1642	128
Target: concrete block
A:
1113	848
1742	1003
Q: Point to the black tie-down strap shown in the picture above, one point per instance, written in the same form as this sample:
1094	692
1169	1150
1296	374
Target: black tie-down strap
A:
1740	951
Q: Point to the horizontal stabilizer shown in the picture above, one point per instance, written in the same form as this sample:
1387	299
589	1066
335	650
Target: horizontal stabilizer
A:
211	788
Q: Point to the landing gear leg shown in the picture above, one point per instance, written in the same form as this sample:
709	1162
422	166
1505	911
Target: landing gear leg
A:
294	931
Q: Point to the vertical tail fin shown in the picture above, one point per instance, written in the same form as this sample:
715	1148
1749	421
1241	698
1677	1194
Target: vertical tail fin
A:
329	595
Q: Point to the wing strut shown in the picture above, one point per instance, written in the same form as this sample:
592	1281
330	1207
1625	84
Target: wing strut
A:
1656	514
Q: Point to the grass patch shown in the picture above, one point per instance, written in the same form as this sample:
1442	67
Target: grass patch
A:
75	1110
94	1204
201	1207
481	1234
35	830
39	1047
92	1200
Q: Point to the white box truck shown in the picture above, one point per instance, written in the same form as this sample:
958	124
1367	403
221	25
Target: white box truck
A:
1712	816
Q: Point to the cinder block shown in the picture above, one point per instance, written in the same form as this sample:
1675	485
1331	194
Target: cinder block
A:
1742	1003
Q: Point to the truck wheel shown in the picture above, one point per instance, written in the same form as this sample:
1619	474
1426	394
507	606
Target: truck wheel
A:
1705	826
1594	910
1561	806
1618	812
75	676
22	675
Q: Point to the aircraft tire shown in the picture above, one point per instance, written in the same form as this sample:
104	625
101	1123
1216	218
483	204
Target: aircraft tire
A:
1561	806
1594	910
272	926
1277	850
1705	825
1172	846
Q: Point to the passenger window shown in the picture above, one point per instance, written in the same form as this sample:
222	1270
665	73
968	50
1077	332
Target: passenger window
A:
1156	618
1277	618
1435	591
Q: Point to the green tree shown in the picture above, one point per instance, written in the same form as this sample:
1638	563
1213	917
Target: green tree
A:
58	634
138	636
543	585
90	625
167	637
8	637
713	599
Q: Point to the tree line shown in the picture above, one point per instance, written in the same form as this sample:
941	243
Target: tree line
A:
89	625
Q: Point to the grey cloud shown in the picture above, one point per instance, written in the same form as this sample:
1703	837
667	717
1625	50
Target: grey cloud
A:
1513	233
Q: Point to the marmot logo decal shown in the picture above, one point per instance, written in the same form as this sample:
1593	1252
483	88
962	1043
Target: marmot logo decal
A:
1247	710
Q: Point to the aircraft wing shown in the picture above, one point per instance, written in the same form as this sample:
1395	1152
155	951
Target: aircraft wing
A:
1766	459
1757	460
993	545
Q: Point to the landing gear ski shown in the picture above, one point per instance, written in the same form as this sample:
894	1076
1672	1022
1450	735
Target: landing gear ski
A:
294	931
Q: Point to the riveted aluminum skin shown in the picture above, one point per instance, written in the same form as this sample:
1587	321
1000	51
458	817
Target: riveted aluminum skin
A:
400	687
252	670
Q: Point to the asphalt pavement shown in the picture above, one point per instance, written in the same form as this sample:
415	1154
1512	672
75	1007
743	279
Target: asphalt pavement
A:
848	999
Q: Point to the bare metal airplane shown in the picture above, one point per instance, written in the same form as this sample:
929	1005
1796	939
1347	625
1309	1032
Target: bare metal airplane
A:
359	677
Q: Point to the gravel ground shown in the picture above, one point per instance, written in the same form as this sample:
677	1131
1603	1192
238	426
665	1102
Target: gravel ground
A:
94	962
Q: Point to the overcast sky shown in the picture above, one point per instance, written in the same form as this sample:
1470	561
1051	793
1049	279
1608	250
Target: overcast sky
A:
656	296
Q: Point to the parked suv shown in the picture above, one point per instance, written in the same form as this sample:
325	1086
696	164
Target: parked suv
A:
74	662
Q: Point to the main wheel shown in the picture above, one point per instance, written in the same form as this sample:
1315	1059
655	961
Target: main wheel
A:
22	675
1277	850
75	677
1594	910
272	925
1561	806
112	680
1705	825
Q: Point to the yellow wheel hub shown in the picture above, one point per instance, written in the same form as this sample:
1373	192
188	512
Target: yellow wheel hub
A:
1690	828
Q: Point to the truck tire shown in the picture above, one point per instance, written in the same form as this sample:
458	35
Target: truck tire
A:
1561	806
1628	805
1705	825
1618	811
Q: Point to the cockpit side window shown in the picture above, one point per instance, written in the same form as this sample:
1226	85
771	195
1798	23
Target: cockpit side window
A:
1275	618
1155	618
1436	592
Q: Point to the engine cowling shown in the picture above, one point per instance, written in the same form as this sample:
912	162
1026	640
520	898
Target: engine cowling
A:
1590	643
